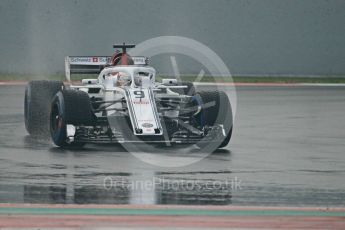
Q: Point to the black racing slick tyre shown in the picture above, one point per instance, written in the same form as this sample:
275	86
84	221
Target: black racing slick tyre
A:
216	111
37	104
69	107
226	119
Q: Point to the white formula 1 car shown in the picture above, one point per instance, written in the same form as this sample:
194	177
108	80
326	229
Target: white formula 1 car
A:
125	104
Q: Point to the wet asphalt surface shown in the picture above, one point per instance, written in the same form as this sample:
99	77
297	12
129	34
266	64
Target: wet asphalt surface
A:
287	149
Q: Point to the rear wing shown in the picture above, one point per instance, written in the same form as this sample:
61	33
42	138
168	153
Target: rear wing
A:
92	64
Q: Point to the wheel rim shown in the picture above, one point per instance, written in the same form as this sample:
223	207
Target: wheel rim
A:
56	119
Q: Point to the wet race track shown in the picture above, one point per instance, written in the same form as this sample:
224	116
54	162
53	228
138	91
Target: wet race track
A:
287	149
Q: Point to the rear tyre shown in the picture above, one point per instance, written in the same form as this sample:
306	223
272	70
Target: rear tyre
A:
69	107
37	101
216	112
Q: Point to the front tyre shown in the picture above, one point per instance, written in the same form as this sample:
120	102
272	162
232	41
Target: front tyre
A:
226	119
69	107
216	113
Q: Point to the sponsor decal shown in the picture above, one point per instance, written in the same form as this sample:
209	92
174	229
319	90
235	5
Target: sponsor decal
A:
139	60
141	102
147	125
104	59
80	59
89	60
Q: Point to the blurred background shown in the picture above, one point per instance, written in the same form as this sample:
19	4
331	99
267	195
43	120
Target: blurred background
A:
288	142
265	37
